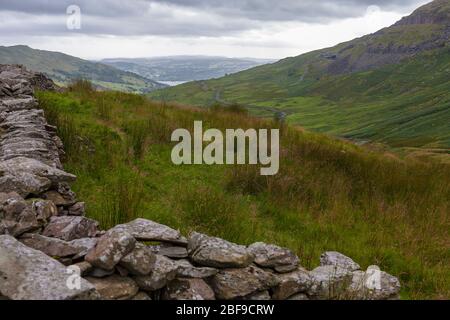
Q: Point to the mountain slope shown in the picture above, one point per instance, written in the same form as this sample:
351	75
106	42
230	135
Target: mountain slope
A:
63	68
184	68
391	86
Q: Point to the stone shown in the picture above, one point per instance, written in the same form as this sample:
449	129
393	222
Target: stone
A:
373	284
237	283
71	228
329	282
29	176
57	198
28	274
110	249
114	287
187	289
217	253
85	245
291	284
78	209
146	230
333	258
164	270
169	251
52	247
140	261
187	270
259	296
271	256
142	296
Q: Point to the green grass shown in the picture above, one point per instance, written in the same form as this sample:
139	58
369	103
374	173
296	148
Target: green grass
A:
329	195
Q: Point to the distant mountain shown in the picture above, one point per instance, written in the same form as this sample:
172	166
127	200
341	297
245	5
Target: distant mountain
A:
392	86
184	68
63	68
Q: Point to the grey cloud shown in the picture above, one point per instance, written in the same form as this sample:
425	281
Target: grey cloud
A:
179	17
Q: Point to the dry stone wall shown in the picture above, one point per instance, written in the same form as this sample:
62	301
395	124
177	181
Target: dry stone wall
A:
45	237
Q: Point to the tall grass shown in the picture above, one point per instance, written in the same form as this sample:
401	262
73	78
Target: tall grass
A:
329	194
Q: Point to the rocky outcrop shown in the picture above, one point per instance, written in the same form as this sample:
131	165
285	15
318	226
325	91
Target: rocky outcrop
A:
50	250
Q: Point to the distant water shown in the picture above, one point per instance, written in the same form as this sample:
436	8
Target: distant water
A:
172	83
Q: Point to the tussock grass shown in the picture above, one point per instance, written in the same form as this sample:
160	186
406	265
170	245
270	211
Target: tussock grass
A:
329	195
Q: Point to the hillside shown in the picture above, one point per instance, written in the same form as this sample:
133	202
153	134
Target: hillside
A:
184	68
391	86
329	194
63	69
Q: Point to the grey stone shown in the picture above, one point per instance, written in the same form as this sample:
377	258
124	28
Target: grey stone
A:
169	251
28	274
237	283
292	283
140	261
329	282
271	256
29	176
142	296
163	271
259	296
187	270
146	230
333	258
114	287
110	249
188	289
52	247
71	228
217	253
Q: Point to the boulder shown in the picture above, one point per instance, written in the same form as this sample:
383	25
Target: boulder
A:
29	176
114	287
187	270
71	228
164	270
110	249
271	256
218	253
28	274
140	261
57	198
188	289
329	282
237	283
78	209
299	297
146	230
333	258
291	284
84	267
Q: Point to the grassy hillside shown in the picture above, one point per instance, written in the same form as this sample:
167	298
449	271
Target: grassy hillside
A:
329	195
391	86
63	69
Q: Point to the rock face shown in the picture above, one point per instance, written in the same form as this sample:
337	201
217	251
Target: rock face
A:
218	253
43	229
28	274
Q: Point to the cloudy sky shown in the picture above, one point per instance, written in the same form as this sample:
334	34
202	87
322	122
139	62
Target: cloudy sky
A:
234	28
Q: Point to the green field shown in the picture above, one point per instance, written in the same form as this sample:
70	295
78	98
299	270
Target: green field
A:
329	195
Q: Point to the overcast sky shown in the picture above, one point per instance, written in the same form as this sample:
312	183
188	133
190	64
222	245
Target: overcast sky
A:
233	28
